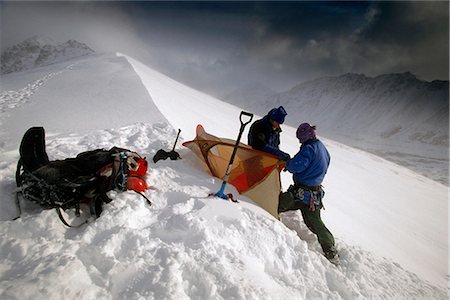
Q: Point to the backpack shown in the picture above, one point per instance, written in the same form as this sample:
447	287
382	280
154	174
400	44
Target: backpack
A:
85	179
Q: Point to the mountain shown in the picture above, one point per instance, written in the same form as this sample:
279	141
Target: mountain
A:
341	103
40	51
390	223
397	116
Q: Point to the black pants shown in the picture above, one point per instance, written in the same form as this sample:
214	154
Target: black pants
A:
312	220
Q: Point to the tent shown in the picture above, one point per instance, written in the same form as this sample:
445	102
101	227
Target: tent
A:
254	174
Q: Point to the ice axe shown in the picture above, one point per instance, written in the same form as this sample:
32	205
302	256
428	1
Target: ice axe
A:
173	155
220	193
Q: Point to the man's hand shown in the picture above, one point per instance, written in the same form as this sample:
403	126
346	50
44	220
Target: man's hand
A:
284	156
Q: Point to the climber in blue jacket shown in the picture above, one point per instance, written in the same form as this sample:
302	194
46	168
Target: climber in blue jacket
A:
309	167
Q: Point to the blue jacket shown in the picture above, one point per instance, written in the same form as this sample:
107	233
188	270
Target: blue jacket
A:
262	136
310	164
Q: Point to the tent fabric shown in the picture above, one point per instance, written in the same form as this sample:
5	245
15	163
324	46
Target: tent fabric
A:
254	174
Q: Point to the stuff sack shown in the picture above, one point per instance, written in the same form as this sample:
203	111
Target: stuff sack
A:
85	179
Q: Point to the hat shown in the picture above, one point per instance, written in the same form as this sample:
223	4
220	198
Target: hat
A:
306	132
278	114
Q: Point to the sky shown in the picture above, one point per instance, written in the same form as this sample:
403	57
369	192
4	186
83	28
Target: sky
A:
218	47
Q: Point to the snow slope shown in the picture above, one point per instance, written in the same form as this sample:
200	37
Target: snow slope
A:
397	185
391	226
85	93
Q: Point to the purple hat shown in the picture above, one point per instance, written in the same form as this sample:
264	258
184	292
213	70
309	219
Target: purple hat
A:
306	132
278	114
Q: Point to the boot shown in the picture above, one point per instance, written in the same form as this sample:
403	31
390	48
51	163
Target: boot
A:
332	256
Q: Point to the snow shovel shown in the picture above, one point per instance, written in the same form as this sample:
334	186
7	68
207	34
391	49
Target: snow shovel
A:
173	155
220	193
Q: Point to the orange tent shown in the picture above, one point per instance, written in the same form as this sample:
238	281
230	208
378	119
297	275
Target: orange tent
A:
254	174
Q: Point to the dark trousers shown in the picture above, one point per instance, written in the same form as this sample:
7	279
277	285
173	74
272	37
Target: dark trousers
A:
312	220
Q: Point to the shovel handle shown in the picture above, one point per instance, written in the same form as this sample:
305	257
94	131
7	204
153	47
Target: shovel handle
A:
220	193
241	130
244	113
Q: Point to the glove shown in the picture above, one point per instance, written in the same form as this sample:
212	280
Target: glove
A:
284	156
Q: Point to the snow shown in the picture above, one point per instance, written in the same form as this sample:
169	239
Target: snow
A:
389	222
66	98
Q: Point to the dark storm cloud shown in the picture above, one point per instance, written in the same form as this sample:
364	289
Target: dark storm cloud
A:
371	38
219	46
407	22
414	35
214	45
223	44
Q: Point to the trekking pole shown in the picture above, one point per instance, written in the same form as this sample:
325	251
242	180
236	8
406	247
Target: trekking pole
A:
227	173
174	155
176	140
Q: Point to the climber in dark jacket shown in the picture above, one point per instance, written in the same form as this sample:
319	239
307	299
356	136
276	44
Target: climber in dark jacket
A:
264	134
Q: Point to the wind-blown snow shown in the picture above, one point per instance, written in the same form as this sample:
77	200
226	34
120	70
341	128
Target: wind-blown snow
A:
387	220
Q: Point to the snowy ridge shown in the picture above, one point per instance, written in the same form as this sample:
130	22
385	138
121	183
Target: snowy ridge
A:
40	51
189	246
66	98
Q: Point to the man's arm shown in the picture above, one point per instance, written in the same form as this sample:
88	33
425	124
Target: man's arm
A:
300	161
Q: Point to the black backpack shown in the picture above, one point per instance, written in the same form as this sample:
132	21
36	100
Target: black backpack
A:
65	184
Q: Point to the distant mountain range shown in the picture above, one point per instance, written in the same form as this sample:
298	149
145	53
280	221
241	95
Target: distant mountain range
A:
398	106
386	106
396	116
40	51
